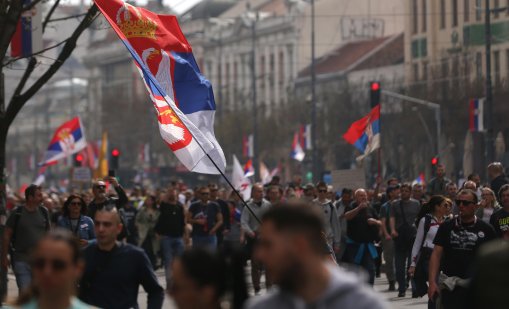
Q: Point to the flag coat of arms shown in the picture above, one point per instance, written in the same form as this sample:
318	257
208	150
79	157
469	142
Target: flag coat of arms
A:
67	140
182	97
364	134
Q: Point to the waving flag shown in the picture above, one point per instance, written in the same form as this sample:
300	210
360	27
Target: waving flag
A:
248	146
239	180
419	180
182	97
476	115
297	152
249	169
364	134
68	139
28	36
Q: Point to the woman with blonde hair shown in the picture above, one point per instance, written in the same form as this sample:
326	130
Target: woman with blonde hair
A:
488	205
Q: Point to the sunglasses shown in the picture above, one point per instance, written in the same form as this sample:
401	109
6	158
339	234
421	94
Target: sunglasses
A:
463	202
100	187
55	264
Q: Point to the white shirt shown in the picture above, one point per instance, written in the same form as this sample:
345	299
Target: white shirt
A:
428	238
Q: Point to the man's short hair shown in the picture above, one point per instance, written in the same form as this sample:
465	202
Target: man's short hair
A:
449	184
472	176
406	186
502	190
321	184
346	191
298	218
30	191
496	167
110	208
468	191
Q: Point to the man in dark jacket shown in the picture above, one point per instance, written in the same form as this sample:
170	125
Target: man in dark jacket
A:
497	176
101	199
114	270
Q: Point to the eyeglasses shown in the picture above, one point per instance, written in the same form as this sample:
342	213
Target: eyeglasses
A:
55	264
463	202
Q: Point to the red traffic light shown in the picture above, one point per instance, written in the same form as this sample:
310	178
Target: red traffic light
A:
434	161
375	86
115	152
79	158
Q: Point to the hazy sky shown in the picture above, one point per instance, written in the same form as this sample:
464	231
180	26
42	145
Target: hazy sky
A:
178	6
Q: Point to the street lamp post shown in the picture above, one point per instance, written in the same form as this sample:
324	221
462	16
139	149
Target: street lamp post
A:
314	153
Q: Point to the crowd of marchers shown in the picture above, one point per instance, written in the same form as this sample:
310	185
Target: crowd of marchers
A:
304	245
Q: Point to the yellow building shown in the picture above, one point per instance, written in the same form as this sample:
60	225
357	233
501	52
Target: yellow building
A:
445	39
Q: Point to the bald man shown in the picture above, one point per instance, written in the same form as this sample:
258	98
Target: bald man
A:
362	231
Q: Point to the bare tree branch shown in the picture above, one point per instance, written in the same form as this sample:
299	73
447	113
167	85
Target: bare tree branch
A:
66	18
30	68
18	101
36	53
48	16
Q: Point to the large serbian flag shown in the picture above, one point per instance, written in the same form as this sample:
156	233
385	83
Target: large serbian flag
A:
182	97
476	115
364	134
68	139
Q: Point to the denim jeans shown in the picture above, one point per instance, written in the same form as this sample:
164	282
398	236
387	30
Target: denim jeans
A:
402	260
171	247
23	274
206	242
367	261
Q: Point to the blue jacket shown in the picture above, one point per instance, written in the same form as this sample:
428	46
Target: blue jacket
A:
85	227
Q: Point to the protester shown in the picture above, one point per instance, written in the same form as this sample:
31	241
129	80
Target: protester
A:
115	270
170	227
225	212
418	193
430	217
497	177
233	236
402	218
341	204
274	195
456	243
362	230
392	194
57	265
436	186
250	225
129	213
332	229
290	247
500	219
101	199
488	205
146	221
206	219
451	191
25	226
75	220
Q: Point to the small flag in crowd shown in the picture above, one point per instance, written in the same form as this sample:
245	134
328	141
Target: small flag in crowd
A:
419	180
248	146
305	135
249	169
364	134
181	95
239	180
297	151
68	139
266	175
27	39
476	115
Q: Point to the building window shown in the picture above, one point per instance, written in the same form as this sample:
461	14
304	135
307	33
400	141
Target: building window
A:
454	13
478	65
478	10
496	65
415	19
466	11
442	14
424	16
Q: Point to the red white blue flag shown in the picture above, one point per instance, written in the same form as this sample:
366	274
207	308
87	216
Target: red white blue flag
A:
297	151
181	95
476	115
28	36
249	168
364	134
67	140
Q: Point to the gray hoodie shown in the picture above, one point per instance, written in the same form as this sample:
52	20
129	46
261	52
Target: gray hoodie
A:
344	291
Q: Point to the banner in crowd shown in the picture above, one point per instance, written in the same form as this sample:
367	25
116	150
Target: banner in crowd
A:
364	134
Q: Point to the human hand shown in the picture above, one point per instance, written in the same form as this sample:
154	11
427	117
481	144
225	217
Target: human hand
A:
372	221
83	242
394	234
113	181
433	290
363	205
200	221
411	271
5	262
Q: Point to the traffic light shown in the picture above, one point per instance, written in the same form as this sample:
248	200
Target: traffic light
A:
434	161
374	93
115	155
78	160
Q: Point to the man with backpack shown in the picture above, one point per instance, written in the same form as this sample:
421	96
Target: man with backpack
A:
25	226
403	231
330	217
